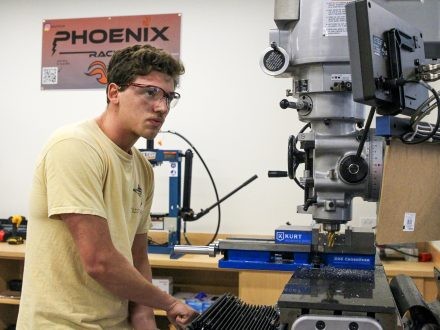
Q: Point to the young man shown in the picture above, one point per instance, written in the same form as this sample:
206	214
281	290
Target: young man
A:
86	265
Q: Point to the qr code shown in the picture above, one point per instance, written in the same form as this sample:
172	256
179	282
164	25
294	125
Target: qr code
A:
49	76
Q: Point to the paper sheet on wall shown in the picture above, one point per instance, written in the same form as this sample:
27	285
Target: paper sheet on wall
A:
409	207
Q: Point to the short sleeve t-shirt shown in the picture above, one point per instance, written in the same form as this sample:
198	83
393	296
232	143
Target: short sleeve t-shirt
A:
80	171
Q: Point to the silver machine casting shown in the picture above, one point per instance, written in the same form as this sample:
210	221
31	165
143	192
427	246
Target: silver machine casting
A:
321	86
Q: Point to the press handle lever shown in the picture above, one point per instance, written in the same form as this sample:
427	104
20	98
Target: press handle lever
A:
277	174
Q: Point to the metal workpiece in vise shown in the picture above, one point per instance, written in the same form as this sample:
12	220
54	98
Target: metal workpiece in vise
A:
321	87
352	241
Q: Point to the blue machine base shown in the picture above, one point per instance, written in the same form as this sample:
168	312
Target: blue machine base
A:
259	265
264	260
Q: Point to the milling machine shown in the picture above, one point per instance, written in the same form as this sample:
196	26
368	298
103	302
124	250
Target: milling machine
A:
341	55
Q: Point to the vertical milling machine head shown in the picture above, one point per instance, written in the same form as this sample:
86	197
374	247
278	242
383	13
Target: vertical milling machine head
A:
310	46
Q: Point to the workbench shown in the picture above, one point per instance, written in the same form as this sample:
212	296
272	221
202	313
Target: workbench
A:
196	273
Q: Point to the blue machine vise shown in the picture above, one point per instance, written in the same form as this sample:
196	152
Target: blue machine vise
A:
305	247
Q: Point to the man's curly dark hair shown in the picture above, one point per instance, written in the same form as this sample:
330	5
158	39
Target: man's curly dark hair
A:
140	60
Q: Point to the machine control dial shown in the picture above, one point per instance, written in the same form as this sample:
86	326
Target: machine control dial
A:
353	169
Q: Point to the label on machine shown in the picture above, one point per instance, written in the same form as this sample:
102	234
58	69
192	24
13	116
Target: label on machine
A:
334	21
409	221
350	261
289	236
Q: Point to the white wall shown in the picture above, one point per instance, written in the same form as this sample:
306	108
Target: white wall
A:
229	108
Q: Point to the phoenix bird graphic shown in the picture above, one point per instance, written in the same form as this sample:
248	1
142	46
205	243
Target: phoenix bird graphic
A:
98	69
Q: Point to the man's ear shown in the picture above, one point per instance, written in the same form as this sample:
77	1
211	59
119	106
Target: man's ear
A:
113	93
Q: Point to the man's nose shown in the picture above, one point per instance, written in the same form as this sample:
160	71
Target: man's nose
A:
161	105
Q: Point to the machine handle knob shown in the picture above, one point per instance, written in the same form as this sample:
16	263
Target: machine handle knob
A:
284	104
276	174
299	105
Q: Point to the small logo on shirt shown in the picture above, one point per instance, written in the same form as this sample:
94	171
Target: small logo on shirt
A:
138	190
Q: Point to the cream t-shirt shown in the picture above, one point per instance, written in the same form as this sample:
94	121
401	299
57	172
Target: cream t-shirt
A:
80	171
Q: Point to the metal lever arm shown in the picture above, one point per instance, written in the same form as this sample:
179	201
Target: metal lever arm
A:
211	249
190	216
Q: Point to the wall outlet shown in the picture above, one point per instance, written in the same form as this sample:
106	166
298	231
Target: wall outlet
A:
368	222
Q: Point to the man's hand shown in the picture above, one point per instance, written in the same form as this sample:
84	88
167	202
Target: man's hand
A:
181	314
